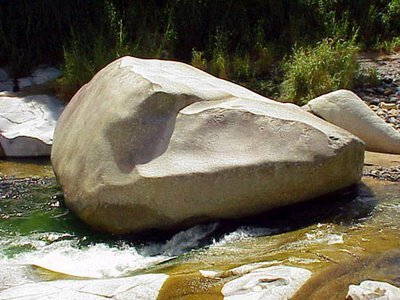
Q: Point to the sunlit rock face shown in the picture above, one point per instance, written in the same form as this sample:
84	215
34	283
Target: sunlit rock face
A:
135	287
151	144
27	125
346	110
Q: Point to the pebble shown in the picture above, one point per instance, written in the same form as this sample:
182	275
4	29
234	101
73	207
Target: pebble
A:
388	174
385	105
393	113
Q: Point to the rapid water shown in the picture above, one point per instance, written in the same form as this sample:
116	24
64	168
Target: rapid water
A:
38	233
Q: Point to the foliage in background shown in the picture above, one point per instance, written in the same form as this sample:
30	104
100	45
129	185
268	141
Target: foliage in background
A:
312	71
233	39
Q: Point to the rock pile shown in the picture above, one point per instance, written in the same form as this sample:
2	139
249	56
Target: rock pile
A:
384	99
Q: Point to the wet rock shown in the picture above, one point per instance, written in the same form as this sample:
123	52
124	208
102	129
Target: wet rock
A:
136	287
27	124
389	174
277	282
377	290
15	188
176	146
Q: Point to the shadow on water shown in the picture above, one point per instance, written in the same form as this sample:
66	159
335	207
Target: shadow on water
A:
37	207
347	207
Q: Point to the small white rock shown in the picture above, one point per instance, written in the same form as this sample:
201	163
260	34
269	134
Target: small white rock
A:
376	290
27	124
209	273
273	283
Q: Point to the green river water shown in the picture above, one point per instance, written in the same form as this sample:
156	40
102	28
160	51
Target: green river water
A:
343	239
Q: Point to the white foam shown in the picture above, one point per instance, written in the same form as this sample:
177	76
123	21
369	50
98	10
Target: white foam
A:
182	242
94	261
242	233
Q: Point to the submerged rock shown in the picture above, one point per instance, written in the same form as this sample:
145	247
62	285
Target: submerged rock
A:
277	282
145	287
373	290
346	110
27	125
150	144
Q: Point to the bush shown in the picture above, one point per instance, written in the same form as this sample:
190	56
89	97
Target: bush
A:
240	67
198	61
312	71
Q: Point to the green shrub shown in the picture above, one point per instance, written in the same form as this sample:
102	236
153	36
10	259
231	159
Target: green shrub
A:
312	71
265	58
390	46
219	62
198	61
368	77
218	65
240	67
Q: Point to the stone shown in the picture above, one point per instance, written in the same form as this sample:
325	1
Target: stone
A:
152	144
387	80
45	74
3	74
346	110
277	282
373	290
141	287
385	105
25	82
393	113
27	124
6	86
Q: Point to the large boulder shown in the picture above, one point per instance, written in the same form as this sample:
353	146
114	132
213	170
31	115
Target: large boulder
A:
27	124
346	110
150	144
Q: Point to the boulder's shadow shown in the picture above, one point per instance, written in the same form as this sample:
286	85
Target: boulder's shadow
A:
346	207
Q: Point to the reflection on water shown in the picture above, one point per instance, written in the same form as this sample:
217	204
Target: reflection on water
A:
26	167
36	230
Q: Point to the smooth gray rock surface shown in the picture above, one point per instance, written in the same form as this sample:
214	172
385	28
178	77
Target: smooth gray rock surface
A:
273	283
151	144
376	290
27	124
141	287
346	110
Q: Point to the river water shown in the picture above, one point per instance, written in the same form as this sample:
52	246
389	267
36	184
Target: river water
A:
343	238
